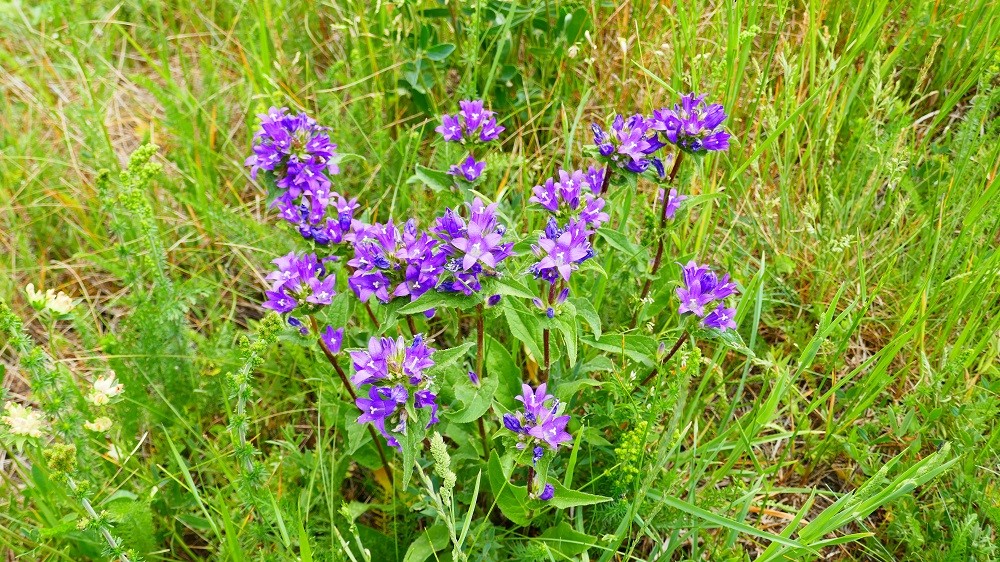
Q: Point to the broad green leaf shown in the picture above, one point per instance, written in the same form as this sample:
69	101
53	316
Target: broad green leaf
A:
524	327
636	347
566	540
500	364
439	299
444	358
566	498
511	499
430	541
440	52
585	309
434	179
476	400
507	286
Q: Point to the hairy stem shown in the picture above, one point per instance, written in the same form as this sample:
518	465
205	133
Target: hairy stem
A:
671	353
354	397
480	351
108	537
658	259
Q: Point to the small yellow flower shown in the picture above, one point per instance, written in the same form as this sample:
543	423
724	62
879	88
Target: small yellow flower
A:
22	420
100	425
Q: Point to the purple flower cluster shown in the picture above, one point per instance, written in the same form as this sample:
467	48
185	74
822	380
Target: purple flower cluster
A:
298	154
539	426
388	263
472	123
396	372
703	287
561	250
575	194
693	125
630	143
474	248
301	280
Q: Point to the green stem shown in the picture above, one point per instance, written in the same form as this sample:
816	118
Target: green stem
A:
670	354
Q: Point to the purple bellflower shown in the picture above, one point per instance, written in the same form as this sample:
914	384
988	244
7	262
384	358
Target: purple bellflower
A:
301	281
470	169
629	144
693	125
539	427
474	248
297	153
396	373
388	263
673	201
701	288
561	250
575	194
472	122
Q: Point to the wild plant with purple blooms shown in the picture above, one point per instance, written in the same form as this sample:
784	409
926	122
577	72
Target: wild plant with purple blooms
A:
693	125
297	154
301	281
574	195
474	249
701	288
388	263
473	123
399	384
540	426
673	202
629	144
561	250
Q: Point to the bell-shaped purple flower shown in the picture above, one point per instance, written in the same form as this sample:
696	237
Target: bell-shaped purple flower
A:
693	125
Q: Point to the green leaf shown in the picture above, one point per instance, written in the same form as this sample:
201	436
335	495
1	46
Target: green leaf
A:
731	338
499	364
439	299
432	540
444	358
511	499
434	179
620	242
641	349
412	442
585	309
566	498
506	286
567	325
524	327
476	401
440	52
566	540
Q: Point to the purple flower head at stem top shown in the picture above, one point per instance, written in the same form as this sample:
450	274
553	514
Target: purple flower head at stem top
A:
470	169
391	263
702	287
539	424
575	194
548	492
561	251
693	125
298	154
301	280
629	144
474	248
396	373
472	122
673	202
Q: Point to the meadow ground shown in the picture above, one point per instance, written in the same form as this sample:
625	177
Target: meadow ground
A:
857	205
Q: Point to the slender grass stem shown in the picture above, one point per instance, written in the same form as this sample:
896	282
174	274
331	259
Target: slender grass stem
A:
480	351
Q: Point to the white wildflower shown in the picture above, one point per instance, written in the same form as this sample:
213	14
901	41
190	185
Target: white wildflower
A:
36	299
100	425
573	51
22	420
60	304
105	388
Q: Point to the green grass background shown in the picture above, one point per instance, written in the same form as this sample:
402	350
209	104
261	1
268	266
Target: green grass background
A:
861	187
